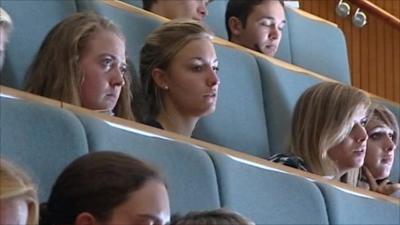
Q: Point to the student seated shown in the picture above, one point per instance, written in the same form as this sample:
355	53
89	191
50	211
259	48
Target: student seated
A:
5	28
18	196
383	132
256	24
212	217
174	9
82	61
178	69
328	135
107	188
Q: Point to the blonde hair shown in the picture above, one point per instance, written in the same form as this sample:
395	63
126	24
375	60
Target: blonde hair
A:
5	20
212	217
383	114
159	49
14	183
55	72
321	120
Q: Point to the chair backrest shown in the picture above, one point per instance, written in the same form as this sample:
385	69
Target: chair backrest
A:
281	87
350	208
239	120
41	139
267	196
32	20
216	18
327	55
192	182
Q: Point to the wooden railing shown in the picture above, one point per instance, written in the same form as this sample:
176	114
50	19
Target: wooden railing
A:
370	7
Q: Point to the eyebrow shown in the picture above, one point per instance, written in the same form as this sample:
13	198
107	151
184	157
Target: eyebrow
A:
272	18
201	59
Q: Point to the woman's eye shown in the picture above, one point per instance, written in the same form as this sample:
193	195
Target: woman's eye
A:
123	70
106	63
196	68
364	122
215	68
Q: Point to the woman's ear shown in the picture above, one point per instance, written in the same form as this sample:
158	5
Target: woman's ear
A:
85	219
160	78
235	25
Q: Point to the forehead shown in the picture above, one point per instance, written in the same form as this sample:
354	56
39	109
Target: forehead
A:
268	8
374	122
106	42
199	47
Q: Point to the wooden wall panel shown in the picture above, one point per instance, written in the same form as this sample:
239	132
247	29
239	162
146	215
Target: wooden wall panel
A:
374	50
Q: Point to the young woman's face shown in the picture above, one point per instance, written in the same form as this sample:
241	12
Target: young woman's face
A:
13	211
350	152
191	80
103	65
380	148
146	206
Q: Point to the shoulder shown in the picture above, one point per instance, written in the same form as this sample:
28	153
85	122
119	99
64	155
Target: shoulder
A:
289	160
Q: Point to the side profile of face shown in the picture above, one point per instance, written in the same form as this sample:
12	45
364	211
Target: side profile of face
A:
147	206
3	42
189	9
13	211
350	152
191	80
263	29
380	148
103	65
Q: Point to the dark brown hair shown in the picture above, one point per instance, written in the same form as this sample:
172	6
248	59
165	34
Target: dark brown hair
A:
212	217
95	183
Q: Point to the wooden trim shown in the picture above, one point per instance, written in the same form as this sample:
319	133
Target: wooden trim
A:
135	127
377	11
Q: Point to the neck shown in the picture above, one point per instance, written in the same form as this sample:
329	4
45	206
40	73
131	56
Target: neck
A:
172	120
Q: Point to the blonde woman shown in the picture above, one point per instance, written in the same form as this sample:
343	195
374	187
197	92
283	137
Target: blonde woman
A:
18	196
5	28
212	217
178	68
383	132
82	61
328	135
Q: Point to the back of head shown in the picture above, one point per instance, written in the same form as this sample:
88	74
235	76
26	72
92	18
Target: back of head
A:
95	183
160	48
322	118
212	217
241	9
55	71
14	183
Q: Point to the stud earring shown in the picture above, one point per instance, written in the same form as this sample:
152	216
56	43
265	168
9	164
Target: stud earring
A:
166	87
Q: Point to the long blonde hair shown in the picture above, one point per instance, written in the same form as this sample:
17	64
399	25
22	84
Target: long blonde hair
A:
55	72
321	120
14	183
159	49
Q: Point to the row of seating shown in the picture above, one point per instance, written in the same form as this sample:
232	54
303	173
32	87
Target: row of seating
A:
43	138
327	55
257	92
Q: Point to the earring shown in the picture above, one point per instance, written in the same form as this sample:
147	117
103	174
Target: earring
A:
166	87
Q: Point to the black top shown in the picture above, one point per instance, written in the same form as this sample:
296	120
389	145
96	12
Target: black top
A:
289	160
154	123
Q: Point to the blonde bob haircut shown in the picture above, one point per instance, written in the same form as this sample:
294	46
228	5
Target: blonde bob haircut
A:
55	71
383	114
322	119
212	217
5	20
14	183
159	49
